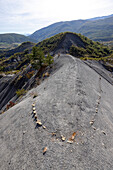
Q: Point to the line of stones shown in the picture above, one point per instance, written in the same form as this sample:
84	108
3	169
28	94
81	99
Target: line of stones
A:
39	123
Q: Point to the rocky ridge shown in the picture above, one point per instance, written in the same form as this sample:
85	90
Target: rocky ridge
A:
74	106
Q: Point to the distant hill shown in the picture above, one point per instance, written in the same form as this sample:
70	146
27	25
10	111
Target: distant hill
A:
21	48
14	38
51	30
98	29
102	17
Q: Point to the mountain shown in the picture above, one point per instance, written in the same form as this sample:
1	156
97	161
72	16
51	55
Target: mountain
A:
74	130
14	38
98	29
56	28
103	17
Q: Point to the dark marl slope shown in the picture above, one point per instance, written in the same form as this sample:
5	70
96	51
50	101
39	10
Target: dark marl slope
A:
67	41
9	84
74	98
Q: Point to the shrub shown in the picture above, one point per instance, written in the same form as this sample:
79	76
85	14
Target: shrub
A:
29	74
77	51
11	104
20	92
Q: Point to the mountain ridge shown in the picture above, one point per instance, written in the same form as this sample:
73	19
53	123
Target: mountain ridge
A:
90	28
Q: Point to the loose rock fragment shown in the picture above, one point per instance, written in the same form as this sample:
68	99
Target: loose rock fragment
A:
70	141
73	136
103	132
63	138
44	127
45	150
24	132
96	110
53	134
34	109
39	122
94	128
33	104
36	117
99	97
102	144
34	112
91	122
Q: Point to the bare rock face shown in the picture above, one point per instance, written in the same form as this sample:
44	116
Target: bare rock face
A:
69	125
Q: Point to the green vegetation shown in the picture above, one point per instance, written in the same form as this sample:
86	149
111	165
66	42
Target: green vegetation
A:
38	58
14	62
39	55
17	58
98	30
108	59
50	44
14	38
26	46
20	92
30	74
5	46
49	59
92	49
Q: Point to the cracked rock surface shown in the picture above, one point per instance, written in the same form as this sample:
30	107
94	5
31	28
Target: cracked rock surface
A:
73	100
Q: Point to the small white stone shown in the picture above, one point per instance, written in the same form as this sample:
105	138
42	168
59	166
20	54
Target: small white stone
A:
33	104
63	138
34	112
44	127
91	122
34	109
70	141
39	122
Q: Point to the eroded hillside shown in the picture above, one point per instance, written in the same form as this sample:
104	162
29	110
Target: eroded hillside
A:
74	106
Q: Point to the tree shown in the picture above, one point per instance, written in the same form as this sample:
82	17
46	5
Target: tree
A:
37	57
49	59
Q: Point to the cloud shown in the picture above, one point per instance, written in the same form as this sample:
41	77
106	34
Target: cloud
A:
30	15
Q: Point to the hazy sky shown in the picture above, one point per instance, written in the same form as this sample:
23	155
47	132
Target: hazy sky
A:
27	16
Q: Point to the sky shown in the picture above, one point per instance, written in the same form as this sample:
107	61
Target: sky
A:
27	16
